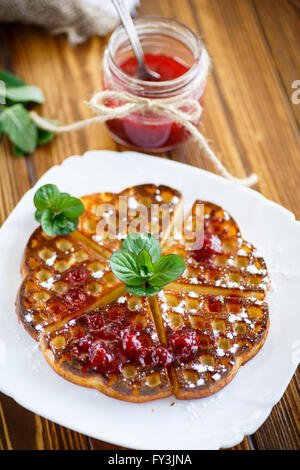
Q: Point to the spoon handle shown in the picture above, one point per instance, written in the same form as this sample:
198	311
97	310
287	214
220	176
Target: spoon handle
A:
131	31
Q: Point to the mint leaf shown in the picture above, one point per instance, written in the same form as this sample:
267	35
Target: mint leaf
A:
136	242
10	79
134	266
167	270
17	124
24	94
57	212
141	291
38	215
47	222
46	196
46	136
64	225
144	263
18	152
123	265
70	206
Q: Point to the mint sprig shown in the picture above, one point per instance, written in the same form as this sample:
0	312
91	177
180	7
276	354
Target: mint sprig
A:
141	267
56	212
15	120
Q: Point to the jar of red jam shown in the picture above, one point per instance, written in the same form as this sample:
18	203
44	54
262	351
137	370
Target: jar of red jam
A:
176	53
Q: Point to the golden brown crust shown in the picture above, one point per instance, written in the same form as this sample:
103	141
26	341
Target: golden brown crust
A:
46	266
131	381
109	217
238	271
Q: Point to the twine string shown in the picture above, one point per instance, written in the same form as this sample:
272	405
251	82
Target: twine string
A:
184	111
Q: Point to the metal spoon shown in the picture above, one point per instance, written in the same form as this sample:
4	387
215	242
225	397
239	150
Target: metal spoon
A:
143	72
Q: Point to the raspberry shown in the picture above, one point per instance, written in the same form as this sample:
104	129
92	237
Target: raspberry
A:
80	350
111	331
95	322
131	343
162	356
184	345
76	276
145	356
79	355
100	358
75	296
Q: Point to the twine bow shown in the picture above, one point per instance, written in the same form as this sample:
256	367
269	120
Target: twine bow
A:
184	111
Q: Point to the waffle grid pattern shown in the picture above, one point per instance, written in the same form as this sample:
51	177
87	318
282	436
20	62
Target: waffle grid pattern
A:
220	298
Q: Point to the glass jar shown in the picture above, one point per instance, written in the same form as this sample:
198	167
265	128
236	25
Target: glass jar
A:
174	45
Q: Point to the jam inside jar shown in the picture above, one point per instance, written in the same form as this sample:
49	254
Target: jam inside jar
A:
176	53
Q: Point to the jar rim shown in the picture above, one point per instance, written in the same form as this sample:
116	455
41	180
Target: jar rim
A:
157	87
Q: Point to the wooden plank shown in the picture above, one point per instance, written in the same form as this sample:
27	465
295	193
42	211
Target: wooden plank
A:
244	73
280	22
22	430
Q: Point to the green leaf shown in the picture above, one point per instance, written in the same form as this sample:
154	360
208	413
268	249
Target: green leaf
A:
17	124
46	136
46	196
24	94
47	222
38	215
167	270
10	79
136	242
144	263
70	206
140	291
65	225
18	152
123	265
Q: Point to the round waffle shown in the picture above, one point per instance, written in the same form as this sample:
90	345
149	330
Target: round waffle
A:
211	321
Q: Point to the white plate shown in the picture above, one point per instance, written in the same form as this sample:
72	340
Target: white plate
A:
218	421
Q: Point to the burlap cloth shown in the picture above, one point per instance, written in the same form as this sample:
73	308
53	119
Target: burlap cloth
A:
79	19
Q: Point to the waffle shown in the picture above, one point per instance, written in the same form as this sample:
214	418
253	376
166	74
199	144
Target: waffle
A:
71	302
109	217
128	380
233	268
49	291
228	332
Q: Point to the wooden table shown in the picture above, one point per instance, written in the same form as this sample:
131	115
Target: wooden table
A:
249	116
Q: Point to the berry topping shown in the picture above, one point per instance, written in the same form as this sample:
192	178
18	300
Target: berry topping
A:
214	304
145	357
162	356
80	350
57	308
211	246
95	322
75	296
184	345
100	357
76	275
131	343
116	313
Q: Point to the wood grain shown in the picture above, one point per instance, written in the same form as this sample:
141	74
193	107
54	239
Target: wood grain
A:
248	116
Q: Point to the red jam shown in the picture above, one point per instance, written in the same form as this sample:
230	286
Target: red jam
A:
211	246
110	344
150	132
76	275
167	67
214	304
